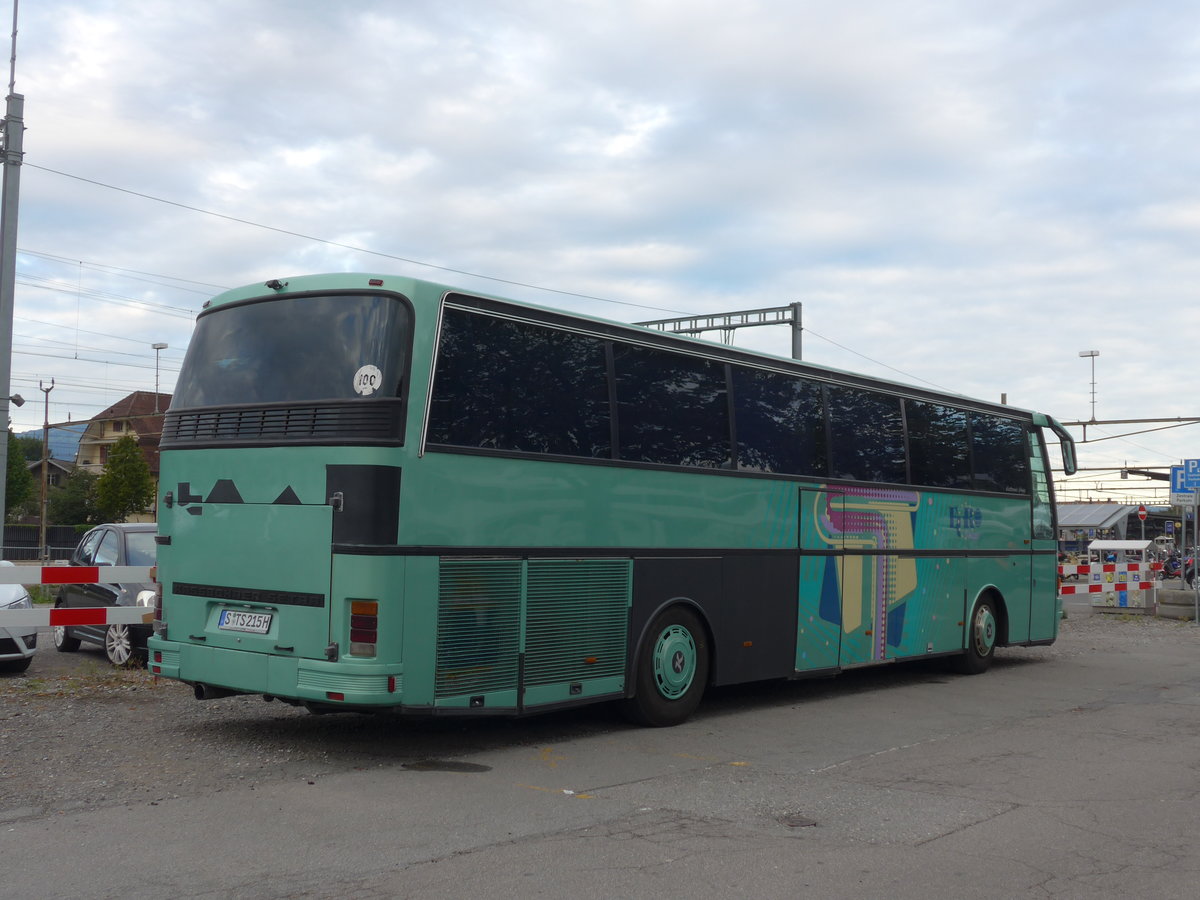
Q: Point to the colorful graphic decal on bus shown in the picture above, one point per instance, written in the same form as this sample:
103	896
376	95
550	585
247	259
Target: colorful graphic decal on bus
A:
870	591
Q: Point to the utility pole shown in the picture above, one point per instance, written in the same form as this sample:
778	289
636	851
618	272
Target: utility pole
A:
14	128
45	501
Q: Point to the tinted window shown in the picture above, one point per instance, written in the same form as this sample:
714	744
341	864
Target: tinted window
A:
296	349
1043	500
866	435
140	549
938	449
106	553
515	386
998	451
780	423
671	408
86	552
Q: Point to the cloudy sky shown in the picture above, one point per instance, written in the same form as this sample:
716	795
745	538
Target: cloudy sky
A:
962	194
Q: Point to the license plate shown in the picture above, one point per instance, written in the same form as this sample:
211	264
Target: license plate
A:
236	620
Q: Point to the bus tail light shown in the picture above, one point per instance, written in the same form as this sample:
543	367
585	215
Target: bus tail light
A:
364	627
160	618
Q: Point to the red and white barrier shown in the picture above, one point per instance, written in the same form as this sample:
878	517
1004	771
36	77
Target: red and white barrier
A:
1101	588
98	615
74	574
1120	585
42	616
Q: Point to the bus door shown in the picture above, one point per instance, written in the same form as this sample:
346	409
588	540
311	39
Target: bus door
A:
1043	584
251	576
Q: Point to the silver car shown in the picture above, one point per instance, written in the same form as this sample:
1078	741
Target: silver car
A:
17	643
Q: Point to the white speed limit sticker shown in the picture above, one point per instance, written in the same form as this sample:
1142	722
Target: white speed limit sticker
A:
368	380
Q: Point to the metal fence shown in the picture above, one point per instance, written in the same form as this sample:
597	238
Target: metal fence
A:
21	542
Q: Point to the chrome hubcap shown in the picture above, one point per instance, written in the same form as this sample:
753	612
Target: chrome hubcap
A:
984	630
117	644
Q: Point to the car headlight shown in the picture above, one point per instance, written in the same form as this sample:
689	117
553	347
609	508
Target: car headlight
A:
146	598
23	602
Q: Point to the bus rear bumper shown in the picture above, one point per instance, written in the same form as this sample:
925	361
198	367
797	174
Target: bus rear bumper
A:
286	678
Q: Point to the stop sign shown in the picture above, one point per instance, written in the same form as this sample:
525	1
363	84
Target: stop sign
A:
1142	513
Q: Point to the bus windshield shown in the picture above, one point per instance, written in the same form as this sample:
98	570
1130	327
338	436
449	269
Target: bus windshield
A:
296	349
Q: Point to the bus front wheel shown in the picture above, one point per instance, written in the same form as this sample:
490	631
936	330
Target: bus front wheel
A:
983	630
672	669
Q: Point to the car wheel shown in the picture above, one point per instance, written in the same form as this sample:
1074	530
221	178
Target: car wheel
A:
118	646
14	666
63	642
672	669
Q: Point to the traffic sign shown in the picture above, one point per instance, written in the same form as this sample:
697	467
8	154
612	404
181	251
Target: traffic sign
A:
1142	513
1182	493
1191	474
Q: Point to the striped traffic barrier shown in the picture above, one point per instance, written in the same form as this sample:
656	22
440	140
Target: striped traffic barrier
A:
92	615
43	616
1114	585
75	574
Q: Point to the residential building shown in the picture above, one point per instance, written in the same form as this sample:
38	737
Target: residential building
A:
132	415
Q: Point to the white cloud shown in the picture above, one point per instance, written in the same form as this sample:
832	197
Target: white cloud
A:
967	192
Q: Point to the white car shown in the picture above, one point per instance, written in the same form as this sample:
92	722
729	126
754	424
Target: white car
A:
17	644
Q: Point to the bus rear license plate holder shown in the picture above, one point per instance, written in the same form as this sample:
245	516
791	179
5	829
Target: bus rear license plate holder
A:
248	622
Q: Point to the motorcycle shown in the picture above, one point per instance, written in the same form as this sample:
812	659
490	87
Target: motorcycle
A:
1172	567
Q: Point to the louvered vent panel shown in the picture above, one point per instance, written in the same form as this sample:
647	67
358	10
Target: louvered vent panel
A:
576	619
479	620
379	421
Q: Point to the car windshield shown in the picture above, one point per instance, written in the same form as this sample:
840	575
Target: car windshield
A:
139	548
296	349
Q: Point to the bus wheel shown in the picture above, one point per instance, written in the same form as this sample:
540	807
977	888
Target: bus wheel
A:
982	632
672	670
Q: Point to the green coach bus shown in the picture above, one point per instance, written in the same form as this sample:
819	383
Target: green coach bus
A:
383	493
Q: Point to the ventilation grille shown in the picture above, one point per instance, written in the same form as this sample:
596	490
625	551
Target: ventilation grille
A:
574	614
576	620
378	421
479	622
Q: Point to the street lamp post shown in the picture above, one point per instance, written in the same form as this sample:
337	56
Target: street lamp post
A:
1092	354
161	346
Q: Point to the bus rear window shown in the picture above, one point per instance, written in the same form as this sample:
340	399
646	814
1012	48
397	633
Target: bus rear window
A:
289	350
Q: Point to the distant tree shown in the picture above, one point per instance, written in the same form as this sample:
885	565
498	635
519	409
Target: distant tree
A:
19	482
74	502
31	447
126	486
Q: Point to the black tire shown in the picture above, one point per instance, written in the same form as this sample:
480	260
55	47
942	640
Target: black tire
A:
671	670
63	642
15	666
983	630
120	648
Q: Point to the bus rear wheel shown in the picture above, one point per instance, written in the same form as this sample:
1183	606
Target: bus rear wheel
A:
983	631
672	669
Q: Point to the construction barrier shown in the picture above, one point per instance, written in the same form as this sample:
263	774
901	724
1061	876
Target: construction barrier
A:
1121	585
